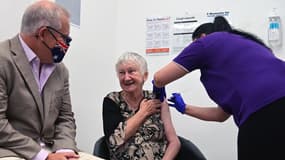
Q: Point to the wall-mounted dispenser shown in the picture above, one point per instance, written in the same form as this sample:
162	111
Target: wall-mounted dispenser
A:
274	30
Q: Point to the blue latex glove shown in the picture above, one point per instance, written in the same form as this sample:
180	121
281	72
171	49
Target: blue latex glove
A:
177	101
158	92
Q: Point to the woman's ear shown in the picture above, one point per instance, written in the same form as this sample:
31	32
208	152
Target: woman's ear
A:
203	35
145	75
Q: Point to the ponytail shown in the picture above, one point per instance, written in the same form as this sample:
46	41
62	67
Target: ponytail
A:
219	24
249	36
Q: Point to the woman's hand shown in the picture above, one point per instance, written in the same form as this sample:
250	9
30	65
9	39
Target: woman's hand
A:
177	101
149	107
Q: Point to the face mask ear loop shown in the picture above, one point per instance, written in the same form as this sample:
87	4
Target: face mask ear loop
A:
38	36
45	44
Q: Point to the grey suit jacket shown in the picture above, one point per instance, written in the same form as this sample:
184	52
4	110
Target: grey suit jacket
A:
26	116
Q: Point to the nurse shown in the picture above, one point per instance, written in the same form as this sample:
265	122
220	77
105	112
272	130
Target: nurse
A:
242	75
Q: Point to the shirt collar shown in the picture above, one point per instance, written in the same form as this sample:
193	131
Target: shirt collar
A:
28	51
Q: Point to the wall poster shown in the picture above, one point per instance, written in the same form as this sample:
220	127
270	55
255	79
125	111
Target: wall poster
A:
158	36
183	28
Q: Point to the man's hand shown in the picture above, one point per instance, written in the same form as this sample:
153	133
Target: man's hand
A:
177	101
63	156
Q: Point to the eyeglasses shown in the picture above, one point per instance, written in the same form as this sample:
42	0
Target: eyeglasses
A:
67	39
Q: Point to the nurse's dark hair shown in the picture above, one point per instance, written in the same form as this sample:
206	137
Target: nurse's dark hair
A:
220	24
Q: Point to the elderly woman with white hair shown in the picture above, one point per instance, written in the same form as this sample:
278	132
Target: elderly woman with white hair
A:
137	125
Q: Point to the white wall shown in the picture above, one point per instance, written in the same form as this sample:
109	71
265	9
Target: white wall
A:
91	65
110	27
10	15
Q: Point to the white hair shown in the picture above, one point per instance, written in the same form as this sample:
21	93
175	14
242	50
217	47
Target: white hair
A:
135	57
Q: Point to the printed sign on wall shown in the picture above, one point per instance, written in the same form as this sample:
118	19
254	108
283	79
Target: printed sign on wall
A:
158	36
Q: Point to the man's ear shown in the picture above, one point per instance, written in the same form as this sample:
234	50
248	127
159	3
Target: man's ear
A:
41	32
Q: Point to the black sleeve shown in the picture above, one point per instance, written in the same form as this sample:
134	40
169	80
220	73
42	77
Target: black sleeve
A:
111	116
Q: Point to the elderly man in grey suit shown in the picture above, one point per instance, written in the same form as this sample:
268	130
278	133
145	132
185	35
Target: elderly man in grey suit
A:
36	119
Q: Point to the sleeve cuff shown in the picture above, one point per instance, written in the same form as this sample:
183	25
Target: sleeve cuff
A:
42	155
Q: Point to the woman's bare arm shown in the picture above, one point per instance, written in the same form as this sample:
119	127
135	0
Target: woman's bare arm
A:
173	141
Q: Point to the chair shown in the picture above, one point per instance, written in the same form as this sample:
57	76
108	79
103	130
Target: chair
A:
187	151
101	149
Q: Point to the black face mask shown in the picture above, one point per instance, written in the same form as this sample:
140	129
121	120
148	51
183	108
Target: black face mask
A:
58	51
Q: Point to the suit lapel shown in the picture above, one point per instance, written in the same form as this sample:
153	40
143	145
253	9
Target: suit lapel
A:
25	70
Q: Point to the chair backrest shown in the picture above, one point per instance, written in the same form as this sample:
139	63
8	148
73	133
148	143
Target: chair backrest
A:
101	148
188	150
